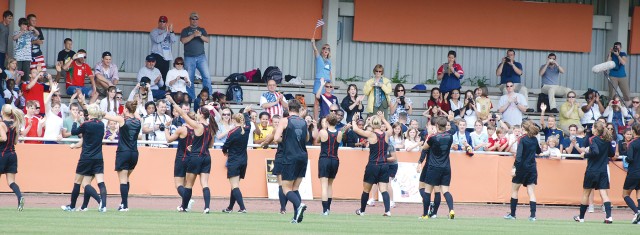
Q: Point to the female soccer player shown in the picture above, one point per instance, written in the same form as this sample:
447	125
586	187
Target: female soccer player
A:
524	171
13	119
596	176
235	149
429	210
632	181
328	162
127	152
438	164
277	162
199	163
184	136
377	170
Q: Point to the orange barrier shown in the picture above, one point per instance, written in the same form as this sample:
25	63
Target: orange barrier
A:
487	23
635	32
482	178
274	18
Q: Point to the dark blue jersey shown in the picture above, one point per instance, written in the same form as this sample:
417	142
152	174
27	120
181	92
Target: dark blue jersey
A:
9	145
548	132
92	132
128	140
329	148
633	158
294	137
235	146
200	144
378	151
181	151
439	150
599	153
279	151
526	155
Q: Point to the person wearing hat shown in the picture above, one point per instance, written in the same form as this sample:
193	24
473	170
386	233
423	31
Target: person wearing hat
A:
155	78
162	38
106	72
193	37
77	71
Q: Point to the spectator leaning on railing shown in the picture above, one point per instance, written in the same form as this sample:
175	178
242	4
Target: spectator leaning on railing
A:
549	128
51	123
574	144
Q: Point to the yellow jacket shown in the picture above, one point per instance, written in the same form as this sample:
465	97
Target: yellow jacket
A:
368	91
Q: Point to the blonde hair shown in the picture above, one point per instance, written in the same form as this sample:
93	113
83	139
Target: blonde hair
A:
239	118
553	139
376	123
94	111
18	118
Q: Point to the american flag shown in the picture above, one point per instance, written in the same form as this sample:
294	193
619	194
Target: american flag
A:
320	23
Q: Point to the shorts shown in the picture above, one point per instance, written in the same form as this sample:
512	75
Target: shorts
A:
277	167
596	180
438	176
180	167
525	178
328	167
316	85
294	171
236	170
374	174
9	163
423	174
199	165
631	183
126	160
393	169
90	167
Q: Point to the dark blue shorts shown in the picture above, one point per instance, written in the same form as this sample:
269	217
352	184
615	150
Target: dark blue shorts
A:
525	178
236	170
90	167
126	160
595	180
297	169
180	167
438	176
9	163
631	183
393	169
199	165
277	167
374	174
328	167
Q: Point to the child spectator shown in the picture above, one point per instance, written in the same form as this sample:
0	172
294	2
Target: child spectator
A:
112	132
553	152
397	139
549	128
479	139
30	128
493	141
503	140
460	138
574	144
412	142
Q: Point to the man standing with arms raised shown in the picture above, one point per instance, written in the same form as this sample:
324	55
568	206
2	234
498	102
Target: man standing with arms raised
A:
193	37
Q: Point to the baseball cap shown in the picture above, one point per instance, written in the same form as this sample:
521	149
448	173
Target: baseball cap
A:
106	53
151	58
194	15
146	80
163	19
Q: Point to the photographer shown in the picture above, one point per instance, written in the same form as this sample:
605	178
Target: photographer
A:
141	94
510	71
550	72
617	74
593	109
155	124
178	77
399	103
450	74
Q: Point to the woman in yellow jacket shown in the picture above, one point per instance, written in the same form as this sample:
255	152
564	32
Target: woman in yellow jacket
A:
377	89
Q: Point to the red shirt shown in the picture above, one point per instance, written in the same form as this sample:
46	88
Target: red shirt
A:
35	93
443	105
33	132
492	142
79	73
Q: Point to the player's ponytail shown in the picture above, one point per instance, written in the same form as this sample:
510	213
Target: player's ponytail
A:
604	134
239	119
531	129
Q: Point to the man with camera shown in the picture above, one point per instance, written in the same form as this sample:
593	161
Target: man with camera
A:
156	123
550	72
593	109
148	70
618	75
512	105
511	71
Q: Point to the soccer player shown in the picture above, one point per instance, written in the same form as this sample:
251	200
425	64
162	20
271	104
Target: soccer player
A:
292	133
328	163
596	176
277	162
235	149
524	171
13	119
632	182
438	164
184	136
199	163
377	170
429	209
127	152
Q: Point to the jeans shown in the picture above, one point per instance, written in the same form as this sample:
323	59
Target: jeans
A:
87	91
200	63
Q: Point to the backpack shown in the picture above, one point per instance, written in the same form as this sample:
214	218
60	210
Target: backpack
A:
234	93
272	72
543	99
236	77
254	76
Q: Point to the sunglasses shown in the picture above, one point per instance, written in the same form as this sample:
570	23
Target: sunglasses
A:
326	48
226	114
328	86
509	86
194	18
119	97
378	71
400	90
54	95
571	97
37	107
333	110
162	21
636	102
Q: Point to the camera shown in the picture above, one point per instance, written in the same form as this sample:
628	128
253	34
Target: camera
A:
507	60
615	102
401	100
161	127
493	115
143	84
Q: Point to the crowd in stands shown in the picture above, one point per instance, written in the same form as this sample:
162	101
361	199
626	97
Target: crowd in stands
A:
25	81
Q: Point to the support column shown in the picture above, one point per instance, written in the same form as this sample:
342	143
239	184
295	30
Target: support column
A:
19	9
330	10
619	12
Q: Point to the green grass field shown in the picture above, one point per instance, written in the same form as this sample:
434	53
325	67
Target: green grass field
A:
52	221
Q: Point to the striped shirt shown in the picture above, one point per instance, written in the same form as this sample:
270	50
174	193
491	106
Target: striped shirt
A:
269	97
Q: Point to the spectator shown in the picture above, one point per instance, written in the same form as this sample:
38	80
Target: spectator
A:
64	109
621	147
112	133
109	104
224	126
450	74
479	138
178	78
323	73
503	140
156	122
550	72
593	109
516	132
461	139
614	133
402	119
64	56
399	103
67	123
312	129
81	70
141	94
339	116
273	102
352	103
22	44
438	106
397	139
202	100
574	144
377	89
455	104
162	38
412	142
635	107
37	58
351	139
570	112
34	88
327	100
193	38
469	111
512	105
12	71
618	75
510	71
106	72
178	121
552	151
264	127
149	71
492	139
549	128
51	123
483	103
617	114
7	18
11	95
149	111
32	120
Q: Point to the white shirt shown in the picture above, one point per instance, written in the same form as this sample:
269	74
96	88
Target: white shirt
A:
253	128
53	125
157	135
512	114
455	107
180	84
104	103
590	116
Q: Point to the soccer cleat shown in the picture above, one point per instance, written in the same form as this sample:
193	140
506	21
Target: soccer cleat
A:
294	221
123	209
424	217
532	219
282	212
358	212
325	213
431	208
387	214
452	214
67	208
83	209
636	218
509	216
301	210
226	210
21	204
180	209
241	211
393	204
577	219
205	211
433	216
190	205
591	209
608	220
102	209
371	202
